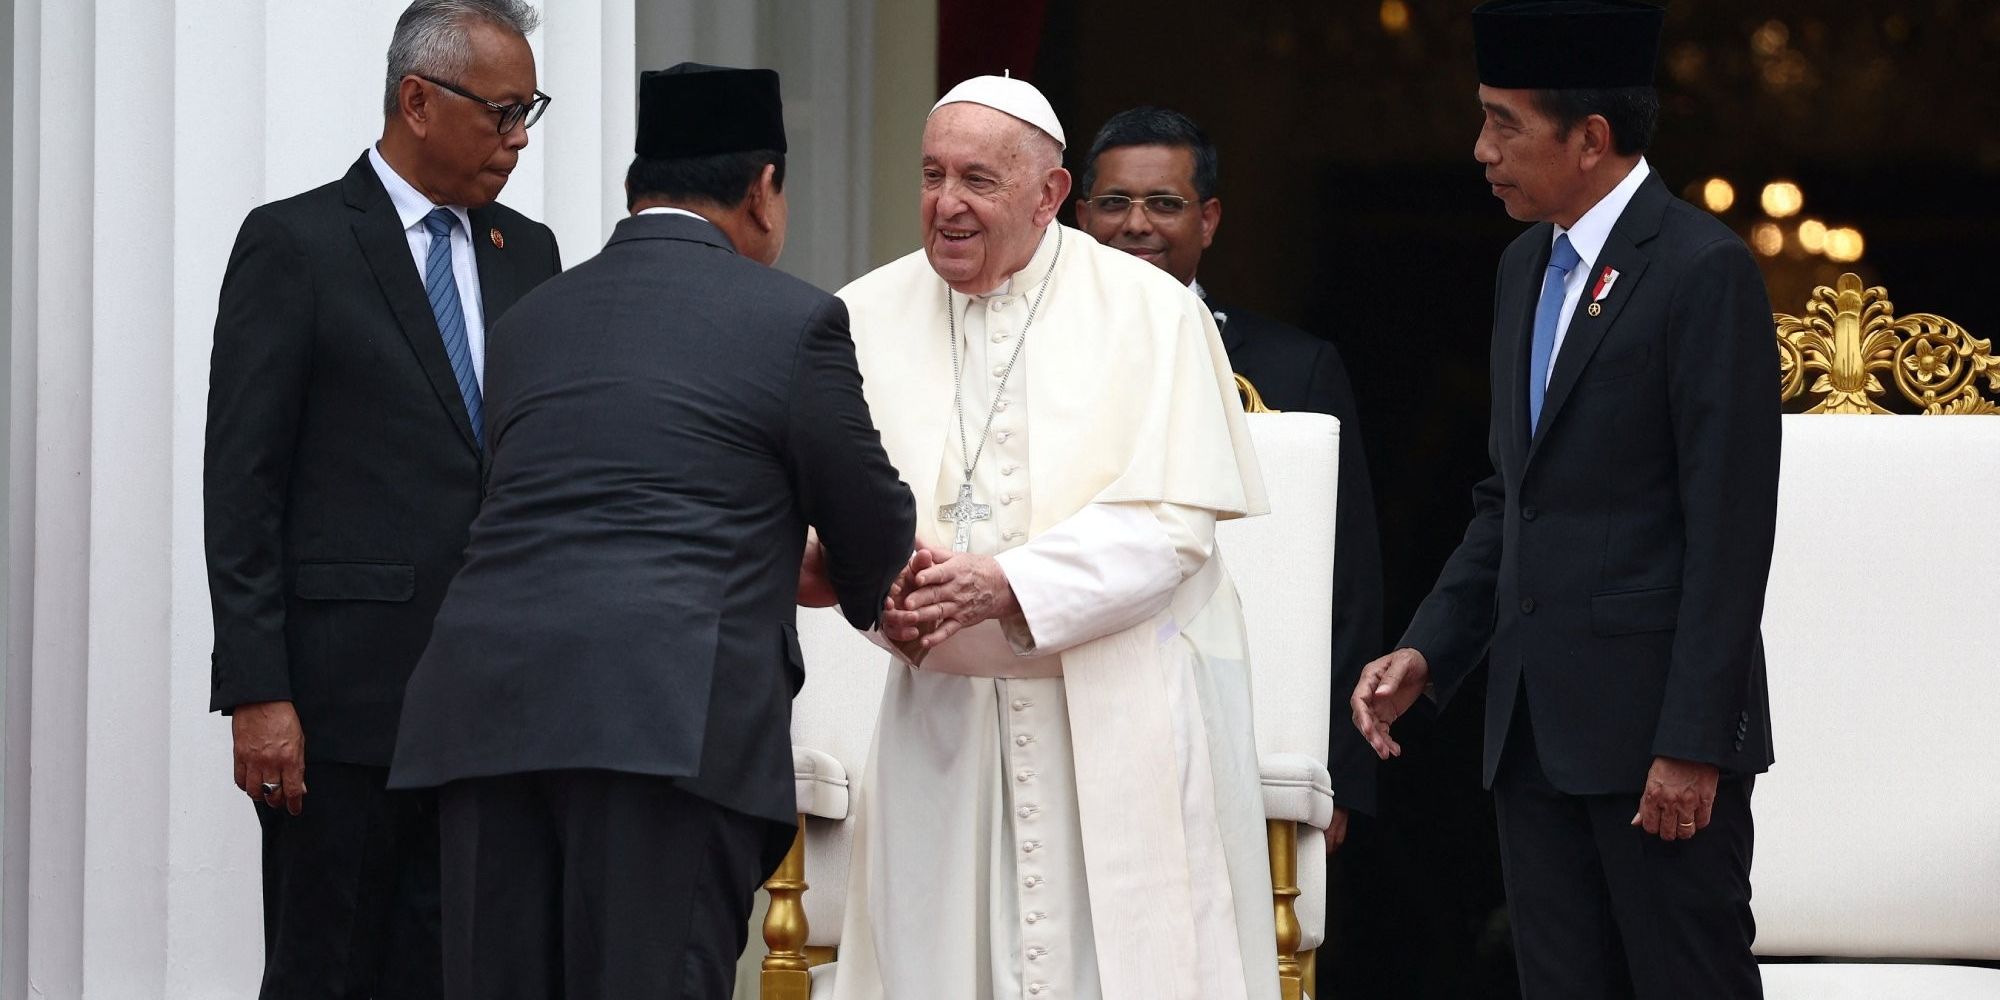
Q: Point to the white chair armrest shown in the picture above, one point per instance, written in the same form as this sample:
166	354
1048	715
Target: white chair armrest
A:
1297	788
820	782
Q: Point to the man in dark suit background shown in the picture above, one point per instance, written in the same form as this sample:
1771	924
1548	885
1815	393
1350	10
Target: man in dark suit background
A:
1614	570
342	469
1149	188
607	695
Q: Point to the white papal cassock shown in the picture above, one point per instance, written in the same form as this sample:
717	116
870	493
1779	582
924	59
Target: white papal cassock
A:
1066	805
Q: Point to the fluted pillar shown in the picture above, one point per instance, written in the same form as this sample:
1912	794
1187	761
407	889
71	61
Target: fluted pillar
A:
143	131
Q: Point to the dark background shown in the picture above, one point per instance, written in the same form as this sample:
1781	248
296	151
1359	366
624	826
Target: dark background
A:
1353	208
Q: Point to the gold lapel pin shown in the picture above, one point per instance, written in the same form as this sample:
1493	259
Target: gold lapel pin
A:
500	242
1596	308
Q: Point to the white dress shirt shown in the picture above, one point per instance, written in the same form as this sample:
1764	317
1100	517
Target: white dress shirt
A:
669	210
1587	239
411	208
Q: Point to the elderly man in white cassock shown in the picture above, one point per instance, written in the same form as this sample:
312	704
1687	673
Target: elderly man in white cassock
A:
1063	799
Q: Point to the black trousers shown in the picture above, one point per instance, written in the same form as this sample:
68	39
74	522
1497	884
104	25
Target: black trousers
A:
596	885
351	891
1603	910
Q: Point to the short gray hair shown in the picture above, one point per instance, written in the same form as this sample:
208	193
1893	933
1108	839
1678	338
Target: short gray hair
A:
430	38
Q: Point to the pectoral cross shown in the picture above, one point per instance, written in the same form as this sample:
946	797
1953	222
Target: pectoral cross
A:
964	514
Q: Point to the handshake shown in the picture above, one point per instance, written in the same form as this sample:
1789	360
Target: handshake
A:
938	593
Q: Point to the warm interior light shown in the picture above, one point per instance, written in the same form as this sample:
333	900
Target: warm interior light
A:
1767	239
1812	235
1718	194
1844	245
1783	199
1395	16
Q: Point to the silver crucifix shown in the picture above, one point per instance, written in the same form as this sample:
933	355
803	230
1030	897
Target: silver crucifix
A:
963	514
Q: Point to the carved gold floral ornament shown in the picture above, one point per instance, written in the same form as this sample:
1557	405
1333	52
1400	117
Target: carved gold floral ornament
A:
1852	346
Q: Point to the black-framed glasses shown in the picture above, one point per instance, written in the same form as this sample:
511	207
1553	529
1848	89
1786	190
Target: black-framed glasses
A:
524	115
1159	206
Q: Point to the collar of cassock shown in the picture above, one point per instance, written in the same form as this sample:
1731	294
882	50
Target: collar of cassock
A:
1038	265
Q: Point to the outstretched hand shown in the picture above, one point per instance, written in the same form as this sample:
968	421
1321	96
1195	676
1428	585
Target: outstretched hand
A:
1387	689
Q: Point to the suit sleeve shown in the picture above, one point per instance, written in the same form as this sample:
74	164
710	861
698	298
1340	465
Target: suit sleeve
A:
256	392
1454	625
847	488
1357	582
1726	425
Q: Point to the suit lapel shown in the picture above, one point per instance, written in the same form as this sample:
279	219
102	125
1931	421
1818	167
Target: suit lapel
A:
387	250
1519	312
1637	225
1233	336
500	266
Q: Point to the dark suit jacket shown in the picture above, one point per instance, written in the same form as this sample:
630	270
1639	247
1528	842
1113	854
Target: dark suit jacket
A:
665	421
341	472
1617	556
1294	370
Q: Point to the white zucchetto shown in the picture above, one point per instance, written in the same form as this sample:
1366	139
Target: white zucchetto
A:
1007	95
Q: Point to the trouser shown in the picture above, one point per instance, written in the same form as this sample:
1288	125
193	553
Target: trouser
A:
351	890
596	885
1601	909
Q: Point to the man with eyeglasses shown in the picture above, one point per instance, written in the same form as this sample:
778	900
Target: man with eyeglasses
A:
344	465
1150	183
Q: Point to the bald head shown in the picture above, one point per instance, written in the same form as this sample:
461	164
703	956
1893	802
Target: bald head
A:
992	185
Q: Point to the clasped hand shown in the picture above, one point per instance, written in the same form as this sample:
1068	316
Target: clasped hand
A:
942	592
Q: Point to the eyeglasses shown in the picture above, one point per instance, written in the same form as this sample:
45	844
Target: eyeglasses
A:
1159	206
524	115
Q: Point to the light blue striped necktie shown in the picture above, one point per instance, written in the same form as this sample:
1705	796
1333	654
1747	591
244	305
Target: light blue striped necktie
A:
1548	312
442	287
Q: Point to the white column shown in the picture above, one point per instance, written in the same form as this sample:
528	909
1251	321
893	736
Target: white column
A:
585	140
143	131
824	54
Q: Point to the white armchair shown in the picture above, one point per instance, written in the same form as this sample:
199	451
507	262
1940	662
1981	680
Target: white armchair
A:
1283	566
1876	831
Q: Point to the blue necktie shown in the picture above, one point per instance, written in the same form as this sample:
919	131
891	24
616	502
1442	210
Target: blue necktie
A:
1548	312
442	287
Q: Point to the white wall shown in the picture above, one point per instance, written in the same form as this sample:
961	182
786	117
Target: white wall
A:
143	131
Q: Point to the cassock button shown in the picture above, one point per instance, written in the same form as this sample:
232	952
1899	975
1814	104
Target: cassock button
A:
1002	404
999	371
1036	917
1023	740
1027	812
1038	989
1000	337
1032	881
1002	436
1527	605
1024	776
1008	470
1011	535
1030	846
1529	513
1035	954
997	304
1022	704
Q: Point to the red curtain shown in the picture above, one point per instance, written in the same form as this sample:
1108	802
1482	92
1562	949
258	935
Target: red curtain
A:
985	37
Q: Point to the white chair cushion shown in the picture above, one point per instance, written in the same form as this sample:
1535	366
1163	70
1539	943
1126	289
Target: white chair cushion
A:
1876	829
1880	982
1297	788
1282	564
820	782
